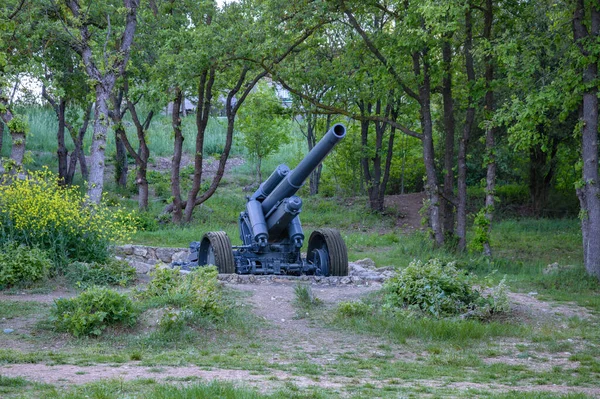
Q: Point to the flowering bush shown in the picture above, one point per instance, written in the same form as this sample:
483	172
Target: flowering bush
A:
38	211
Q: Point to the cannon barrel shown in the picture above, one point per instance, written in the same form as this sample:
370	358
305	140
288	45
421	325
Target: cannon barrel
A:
294	180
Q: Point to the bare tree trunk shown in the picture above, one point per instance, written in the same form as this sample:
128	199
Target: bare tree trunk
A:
448	101
62	153
461	209
77	154
121	166
176	163
589	192
97	153
431	186
490	144
202	116
142	156
62	148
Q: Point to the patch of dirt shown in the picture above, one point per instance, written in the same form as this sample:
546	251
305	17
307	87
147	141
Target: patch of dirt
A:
274	303
407	206
297	340
43	298
528	307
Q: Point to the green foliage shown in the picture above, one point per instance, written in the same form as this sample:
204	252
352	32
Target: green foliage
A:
353	309
21	265
38	211
261	123
18	124
92	311
439	290
481	232
112	272
198	291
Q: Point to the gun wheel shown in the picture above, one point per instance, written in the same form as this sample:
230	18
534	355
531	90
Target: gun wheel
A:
327	252
215	249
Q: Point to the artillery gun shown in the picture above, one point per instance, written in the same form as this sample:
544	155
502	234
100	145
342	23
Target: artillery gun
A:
270	228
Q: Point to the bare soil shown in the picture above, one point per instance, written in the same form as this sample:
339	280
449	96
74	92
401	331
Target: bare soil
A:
300	336
407	207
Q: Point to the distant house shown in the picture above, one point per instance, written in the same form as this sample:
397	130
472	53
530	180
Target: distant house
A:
189	107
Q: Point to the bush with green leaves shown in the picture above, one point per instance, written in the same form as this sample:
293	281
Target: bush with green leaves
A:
198	291
92	311
22	265
112	272
436	289
40	211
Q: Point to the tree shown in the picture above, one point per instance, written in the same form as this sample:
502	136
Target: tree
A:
15	24
586	35
262	124
103	71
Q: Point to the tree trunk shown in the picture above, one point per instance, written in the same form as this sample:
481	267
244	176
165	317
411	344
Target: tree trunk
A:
105	81
60	139
176	163
97	153
589	192
461	209
17	152
77	154
202	116
431	186
448	102
541	172
121	166
489	131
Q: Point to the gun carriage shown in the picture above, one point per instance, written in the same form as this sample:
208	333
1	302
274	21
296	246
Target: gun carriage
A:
270	229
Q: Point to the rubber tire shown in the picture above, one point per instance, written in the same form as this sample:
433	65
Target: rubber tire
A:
221	245
330	240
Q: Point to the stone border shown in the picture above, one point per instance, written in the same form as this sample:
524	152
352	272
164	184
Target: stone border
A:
145	258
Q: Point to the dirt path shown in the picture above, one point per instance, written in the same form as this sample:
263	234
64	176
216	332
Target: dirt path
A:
297	338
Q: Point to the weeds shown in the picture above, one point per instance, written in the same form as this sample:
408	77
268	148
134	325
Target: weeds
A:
304	299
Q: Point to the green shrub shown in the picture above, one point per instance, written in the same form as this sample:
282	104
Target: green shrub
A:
113	272
38	211
92	311
198	291
22	265
439	290
353	309
164	280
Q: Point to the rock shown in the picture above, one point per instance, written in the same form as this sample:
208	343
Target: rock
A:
367	263
165	254
356	280
345	280
356	269
8	330
125	249
180	256
140	267
140	251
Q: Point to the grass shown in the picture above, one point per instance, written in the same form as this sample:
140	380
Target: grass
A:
12	309
444	351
